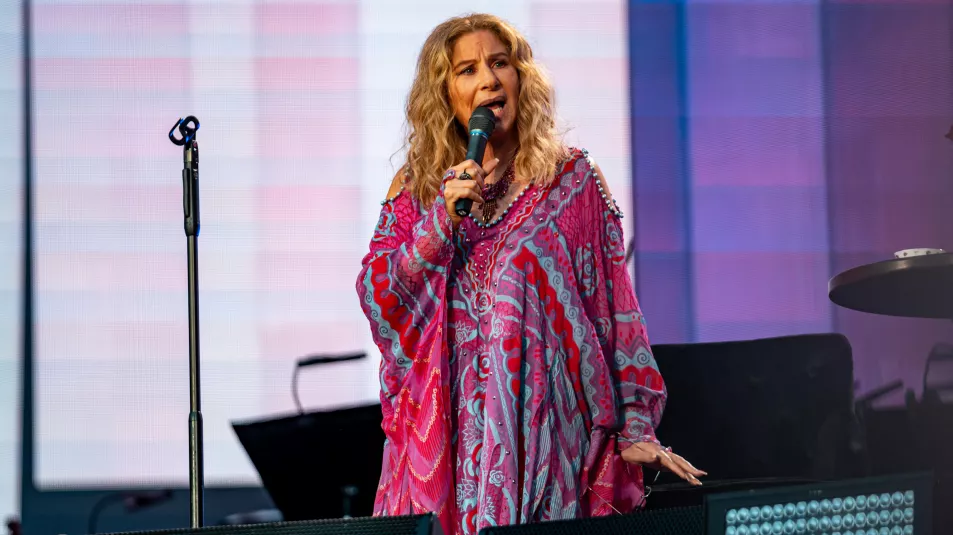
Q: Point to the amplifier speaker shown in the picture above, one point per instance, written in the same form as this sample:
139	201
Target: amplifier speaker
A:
393	525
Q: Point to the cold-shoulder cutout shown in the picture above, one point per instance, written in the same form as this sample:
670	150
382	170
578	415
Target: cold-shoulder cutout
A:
603	185
397	185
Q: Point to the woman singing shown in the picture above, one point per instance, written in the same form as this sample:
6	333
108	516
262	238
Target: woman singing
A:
517	382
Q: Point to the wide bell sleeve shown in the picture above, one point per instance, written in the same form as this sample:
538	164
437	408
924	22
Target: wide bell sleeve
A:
402	284
402	289
613	308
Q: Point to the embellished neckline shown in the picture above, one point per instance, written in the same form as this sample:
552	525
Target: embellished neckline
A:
487	224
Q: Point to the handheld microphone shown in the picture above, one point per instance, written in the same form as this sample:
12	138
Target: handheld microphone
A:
481	126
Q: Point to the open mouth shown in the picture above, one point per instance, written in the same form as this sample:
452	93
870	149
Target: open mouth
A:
495	105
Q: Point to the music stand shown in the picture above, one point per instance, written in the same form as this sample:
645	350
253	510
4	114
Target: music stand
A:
306	461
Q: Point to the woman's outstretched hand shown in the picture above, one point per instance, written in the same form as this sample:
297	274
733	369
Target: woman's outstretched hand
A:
658	458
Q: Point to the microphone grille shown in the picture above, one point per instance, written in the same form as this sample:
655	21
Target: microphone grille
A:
483	119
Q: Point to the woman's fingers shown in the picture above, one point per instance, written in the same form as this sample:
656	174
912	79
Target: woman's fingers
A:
686	470
456	189
466	182
470	169
456	192
687	466
658	458
669	463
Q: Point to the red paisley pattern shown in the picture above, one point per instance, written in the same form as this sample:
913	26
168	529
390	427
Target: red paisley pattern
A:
515	364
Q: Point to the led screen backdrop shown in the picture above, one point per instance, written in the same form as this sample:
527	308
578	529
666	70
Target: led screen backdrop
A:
777	144
11	251
301	109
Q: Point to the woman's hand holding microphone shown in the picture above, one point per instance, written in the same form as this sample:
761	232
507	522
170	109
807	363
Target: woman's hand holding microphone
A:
465	182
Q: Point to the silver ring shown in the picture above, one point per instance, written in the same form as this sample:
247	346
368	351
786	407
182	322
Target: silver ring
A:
465	176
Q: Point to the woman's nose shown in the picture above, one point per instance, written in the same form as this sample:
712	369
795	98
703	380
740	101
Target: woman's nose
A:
488	79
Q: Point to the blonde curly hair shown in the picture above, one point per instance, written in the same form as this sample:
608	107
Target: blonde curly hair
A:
436	141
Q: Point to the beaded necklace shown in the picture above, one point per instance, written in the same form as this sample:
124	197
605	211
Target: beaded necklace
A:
495	191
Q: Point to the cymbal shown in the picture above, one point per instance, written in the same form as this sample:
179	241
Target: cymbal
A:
913	287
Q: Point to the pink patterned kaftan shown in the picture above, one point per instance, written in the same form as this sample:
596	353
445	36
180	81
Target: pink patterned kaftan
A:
515	360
